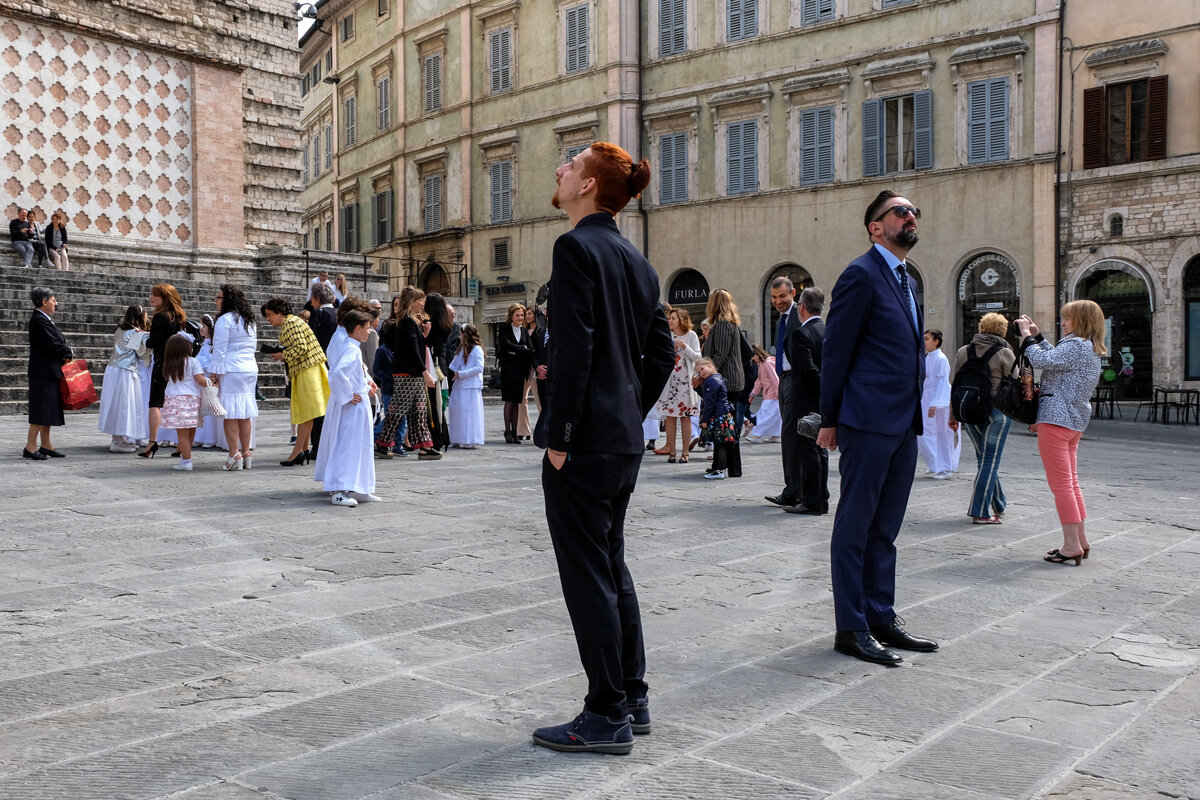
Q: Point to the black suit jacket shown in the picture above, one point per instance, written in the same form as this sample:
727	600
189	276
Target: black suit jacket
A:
513	353
47	347
803	349
612	350
324	324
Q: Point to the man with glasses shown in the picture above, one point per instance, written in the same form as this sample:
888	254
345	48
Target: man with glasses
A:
871	374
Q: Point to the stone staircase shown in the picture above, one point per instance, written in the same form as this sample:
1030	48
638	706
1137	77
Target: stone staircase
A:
90	306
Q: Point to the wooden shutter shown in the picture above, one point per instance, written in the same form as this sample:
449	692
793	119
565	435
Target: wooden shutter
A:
500	59
873	138
385	102
1156	128
328	146
501	191
816	145
977	122
433	82
316	154
923	130
1095	128
433	203
997	111
742	149
736	17
383	217
672	27
577	38
304	170
812	11
672	173
351	119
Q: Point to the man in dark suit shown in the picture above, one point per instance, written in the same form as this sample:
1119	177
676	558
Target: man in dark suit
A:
872	369
611	355
783	297
804	354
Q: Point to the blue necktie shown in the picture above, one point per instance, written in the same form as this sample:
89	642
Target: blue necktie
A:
904	289
779	334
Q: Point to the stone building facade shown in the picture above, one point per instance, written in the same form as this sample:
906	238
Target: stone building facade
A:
170	124
770	125
1130	187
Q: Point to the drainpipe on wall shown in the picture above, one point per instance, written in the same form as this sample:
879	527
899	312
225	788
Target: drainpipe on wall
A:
640	106
1058	258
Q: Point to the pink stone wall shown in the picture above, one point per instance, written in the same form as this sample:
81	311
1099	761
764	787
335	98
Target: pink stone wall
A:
219	150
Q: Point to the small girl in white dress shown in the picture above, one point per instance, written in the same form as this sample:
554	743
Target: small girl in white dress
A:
181	406
211	432
122	411
466	401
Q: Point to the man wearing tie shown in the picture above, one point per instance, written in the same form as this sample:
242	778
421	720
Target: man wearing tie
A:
871	374
803	349
783	297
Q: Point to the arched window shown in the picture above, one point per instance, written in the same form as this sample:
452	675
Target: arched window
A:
800	279
988	283
435	279
1123	295
1191	318
1116	225
689	291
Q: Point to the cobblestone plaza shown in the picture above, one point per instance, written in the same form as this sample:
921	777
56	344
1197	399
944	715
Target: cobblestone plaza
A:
232	636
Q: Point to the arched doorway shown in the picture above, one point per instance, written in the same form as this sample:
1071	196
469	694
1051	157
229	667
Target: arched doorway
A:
1122	293
689	291
1191	319
988	283
800	279
435	279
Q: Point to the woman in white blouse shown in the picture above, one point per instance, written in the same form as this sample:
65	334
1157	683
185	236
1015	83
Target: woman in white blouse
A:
939	445
678	400
235	371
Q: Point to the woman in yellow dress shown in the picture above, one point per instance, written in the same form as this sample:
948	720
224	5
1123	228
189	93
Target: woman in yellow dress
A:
306	371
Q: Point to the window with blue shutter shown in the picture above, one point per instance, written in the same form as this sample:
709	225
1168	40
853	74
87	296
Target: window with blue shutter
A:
890	3
673	168
743	19
898	134
577	38
575	150
304	166
987	121
316	154
816	145
384	87
814	11
742	156
433	203
328	146
502	191
923	130
872	125
500	57
433	82
351	106
350	228
672	27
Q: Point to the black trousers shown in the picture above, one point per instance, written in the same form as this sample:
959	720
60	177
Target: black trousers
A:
790	442
585	507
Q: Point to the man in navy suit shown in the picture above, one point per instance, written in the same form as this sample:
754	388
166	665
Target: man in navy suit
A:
871	374
610	355
783	297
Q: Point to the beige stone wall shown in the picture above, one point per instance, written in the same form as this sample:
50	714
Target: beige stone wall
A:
255	38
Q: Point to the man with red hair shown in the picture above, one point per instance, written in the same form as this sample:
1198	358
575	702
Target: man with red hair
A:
610	355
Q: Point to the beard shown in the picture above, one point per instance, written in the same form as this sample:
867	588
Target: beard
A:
906	238
554	200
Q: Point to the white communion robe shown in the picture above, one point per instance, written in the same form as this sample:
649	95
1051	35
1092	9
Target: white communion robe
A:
346	459
466	401
939	446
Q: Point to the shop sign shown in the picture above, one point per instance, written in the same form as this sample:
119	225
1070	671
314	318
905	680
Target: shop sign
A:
504	288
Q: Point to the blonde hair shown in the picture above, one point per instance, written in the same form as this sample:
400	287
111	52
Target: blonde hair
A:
706	362
722	307
993	323
1087	322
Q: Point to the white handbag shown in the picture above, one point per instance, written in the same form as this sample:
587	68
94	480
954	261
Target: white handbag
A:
210	402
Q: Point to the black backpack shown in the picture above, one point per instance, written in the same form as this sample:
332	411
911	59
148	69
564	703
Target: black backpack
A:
971	392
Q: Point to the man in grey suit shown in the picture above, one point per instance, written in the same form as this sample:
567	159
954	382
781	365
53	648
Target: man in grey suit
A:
783	297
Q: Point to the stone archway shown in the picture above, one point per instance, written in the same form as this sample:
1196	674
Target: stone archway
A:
801	280
1126	297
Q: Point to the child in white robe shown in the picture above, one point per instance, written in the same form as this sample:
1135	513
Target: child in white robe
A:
939	445
211	432
466	401
345	458
122	414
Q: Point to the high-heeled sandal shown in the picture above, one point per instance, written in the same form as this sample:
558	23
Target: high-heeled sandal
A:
1054	552
1059	558
149	451
297	461
247	459
232	463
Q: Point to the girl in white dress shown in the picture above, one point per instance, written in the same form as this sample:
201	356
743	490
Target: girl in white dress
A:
211	432
345	457
181	405
939	445
122	414
466	401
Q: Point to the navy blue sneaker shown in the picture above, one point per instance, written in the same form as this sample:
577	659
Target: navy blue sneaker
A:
639	716
588	733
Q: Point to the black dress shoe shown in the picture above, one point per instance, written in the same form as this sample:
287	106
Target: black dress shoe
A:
895	636
50	453
800	508
861	644
36	455
780	500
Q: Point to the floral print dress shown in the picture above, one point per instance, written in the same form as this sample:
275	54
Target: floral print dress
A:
678	398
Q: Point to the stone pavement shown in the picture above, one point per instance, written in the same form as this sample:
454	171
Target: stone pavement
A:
232	636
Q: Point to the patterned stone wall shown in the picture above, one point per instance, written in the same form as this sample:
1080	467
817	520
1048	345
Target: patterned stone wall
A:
252	41
103	132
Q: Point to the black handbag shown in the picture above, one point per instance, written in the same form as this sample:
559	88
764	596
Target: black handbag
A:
1018	394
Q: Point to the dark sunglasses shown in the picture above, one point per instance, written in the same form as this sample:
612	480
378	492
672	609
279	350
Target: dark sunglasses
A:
901	212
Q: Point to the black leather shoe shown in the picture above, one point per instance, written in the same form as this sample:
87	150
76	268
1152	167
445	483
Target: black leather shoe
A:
50	453
894	635
800	508
34	456
861	644
780	500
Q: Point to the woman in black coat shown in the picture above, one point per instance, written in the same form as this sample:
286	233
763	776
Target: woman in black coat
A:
48	351
169	318
514	352
440	326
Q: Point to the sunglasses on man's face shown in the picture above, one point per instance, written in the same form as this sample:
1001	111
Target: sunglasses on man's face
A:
901	212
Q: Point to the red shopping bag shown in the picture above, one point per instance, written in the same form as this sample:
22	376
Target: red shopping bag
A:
76	388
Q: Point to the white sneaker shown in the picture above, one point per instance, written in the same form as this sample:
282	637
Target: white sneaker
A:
343	499
183	466
122	448
143	442
752	439
719	475
940	476
365	498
